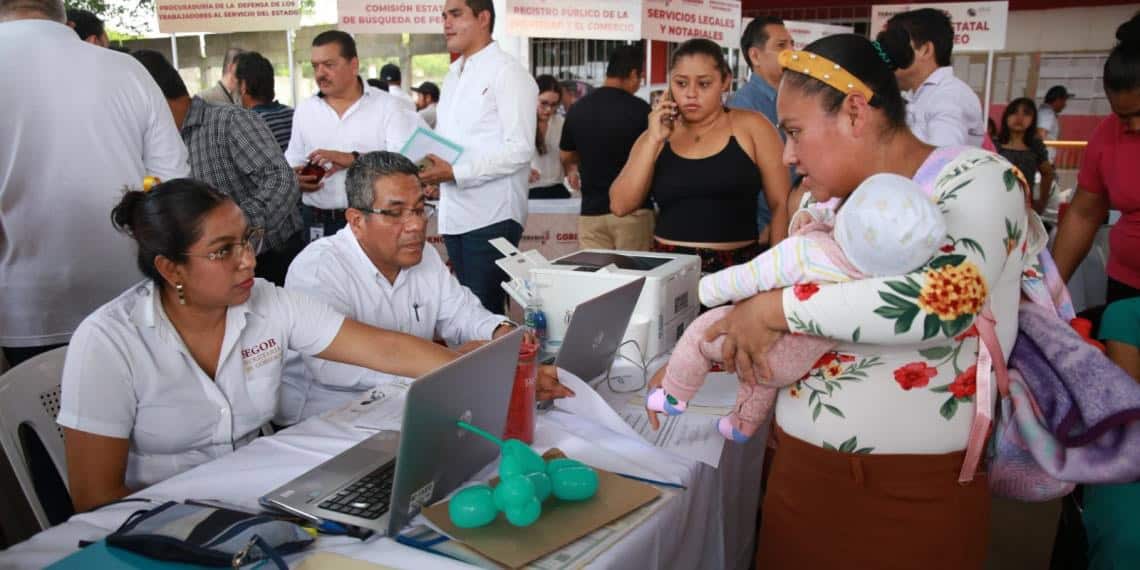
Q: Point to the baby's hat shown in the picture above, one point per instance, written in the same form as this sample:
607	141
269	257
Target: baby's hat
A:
889	226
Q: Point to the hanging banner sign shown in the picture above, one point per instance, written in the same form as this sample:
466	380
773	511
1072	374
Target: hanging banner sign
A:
197	16
978	26
804	33
575	19
680	20
390	17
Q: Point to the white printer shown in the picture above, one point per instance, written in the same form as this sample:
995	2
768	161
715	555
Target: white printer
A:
667	305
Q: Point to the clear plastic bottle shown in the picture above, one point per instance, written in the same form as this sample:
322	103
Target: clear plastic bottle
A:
535	320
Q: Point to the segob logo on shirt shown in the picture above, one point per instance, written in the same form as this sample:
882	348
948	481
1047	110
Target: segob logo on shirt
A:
260	354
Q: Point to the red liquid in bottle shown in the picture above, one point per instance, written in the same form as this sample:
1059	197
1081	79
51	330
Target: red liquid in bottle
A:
520	413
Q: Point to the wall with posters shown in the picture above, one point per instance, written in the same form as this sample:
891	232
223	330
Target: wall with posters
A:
671	21
227	15
390	17
575	19
978	26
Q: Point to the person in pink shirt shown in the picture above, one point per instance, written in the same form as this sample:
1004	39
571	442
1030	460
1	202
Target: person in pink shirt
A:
1110	176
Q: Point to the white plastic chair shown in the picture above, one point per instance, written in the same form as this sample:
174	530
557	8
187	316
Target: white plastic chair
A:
29	395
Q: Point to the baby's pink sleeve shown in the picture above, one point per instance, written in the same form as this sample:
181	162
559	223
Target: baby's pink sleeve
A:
797	259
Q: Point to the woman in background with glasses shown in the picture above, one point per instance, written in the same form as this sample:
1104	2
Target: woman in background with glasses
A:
546	172
186	366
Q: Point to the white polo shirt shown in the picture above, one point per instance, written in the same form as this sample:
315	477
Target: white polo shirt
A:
86	123
129	375
488	107
425	301
401	95
376	121
945	111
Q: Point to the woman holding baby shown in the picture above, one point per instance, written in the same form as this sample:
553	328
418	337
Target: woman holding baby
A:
871	439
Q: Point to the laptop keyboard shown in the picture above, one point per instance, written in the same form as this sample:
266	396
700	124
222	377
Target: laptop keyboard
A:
367	497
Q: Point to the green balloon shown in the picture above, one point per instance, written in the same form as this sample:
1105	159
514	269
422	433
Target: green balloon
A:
574	483
510	466
513	491
542	485
529	460
561	463
472	507
525	514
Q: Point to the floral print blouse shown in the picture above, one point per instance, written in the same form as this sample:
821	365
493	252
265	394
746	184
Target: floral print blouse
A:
902	378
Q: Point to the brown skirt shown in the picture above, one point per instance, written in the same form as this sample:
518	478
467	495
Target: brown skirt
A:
827	509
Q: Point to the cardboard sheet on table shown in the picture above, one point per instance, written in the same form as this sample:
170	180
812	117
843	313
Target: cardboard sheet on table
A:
561	523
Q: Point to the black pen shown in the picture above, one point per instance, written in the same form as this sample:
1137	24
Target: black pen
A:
416	308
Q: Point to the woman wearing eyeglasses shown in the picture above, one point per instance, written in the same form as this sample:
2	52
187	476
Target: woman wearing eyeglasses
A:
546	172
186	367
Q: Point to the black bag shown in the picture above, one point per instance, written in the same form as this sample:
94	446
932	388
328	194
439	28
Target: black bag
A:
209	536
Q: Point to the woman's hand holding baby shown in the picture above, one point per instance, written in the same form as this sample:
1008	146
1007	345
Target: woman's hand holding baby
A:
749	331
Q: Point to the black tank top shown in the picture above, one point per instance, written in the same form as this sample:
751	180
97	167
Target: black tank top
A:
709	199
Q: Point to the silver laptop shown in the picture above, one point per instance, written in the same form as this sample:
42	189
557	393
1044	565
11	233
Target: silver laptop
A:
596	330
381	483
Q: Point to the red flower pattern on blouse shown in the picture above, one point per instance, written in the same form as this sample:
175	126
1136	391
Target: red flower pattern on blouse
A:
966	383
804	291
914	375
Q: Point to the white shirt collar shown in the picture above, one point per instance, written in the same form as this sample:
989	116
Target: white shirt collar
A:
364	264
149	312
463	63
938	76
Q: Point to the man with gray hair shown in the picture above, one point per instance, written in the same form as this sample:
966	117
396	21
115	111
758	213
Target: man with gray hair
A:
377	270
225	91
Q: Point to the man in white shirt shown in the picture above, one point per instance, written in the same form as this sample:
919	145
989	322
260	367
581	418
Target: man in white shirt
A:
487	107
60	257
1048	122
942	110
390	74
378	271
427	96
344	119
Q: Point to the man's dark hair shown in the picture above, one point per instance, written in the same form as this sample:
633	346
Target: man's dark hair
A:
928	25
52	9
370	167
625	60
257	74
756	34
85	23
379	84
345	41
163	73
478	6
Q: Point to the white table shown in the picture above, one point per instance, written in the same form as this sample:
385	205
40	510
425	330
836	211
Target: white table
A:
710	525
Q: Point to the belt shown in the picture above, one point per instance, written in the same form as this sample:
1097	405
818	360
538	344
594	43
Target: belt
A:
323	216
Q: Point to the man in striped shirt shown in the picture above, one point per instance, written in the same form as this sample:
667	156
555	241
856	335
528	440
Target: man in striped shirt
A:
255	85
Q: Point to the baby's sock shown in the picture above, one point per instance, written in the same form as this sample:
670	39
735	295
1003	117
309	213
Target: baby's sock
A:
659	401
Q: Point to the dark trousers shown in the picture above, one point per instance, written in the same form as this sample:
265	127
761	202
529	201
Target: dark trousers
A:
473	260
273	264
552	192
17	355
329	221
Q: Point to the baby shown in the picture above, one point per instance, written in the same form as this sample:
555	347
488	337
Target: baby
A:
888	226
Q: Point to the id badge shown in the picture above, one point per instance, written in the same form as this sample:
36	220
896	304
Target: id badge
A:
316	233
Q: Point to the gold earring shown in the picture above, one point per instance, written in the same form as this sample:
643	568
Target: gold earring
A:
181	293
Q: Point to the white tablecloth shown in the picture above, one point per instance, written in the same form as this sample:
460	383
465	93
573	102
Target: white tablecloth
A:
710	525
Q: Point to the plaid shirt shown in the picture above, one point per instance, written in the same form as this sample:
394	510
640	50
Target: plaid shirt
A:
233	150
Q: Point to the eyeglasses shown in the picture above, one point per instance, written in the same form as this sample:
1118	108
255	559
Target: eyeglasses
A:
402	215
546	105
253	241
